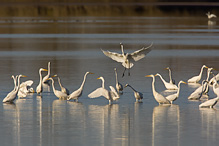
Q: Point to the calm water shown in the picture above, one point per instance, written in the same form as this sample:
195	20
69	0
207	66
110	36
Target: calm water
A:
73	45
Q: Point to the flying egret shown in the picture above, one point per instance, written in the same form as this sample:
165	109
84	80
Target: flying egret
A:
138	95
168	86
127	59
45	79
170	75
158	97
59	94
209	103
196	79
119	86
173	97
109	95
77	93
210	16
12	95
39	88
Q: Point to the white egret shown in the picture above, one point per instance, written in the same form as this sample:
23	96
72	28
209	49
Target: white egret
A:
45	79
63	89
209	103
197	94
15	84
109	95
119	86
12	95
39	88
212	79
168	86
173	97
25	88
215	88
210	16
138	95
196	79
127	59
59	94
170	75
77	93
158	97
207	83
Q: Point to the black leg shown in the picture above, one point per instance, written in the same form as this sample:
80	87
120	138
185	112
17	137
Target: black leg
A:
123	73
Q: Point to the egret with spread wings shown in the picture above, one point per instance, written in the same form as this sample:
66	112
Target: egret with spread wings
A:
127	59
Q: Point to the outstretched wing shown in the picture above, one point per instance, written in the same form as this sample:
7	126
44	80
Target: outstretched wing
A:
114	93
114	56
26	83
98	92
139	54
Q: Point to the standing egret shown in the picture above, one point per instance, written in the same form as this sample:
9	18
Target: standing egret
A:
77	93
158	97
197	94
25	88
59	94
45	79
173	97
127	59
119	86
209	103
212	79
39	88
169	86
63	89
12	95
109	95
196	79
170	75
210	16
138	95
215	88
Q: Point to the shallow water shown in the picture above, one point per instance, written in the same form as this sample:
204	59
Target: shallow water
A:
73	46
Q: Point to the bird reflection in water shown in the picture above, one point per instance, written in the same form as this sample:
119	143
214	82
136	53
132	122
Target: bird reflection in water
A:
161	131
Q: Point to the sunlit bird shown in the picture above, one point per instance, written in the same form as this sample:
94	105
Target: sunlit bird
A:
25	88
45	79
119	86
12	95
209	103
77	93
169	86
127	59
59	94
138	95
197	94
39	88
109	95
174	96
172	81
63	89
158	97
210	16
196	79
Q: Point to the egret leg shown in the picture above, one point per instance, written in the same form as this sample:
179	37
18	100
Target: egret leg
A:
123	73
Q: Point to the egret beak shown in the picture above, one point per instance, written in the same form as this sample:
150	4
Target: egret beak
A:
54	76
98	78
91	73
23	76
184	82
45	70
148	76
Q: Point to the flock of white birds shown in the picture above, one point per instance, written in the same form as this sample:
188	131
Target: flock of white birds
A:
127	59
22	89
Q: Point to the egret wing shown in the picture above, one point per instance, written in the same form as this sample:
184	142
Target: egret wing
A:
114	93
98	92
115	56
139	54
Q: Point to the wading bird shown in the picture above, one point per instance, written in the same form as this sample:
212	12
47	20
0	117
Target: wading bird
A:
173	97
210	16
77	93
39	88
63	89
127	59
196	79
158	97
138	95
169	86
170	75
209	103
45	79
109	95
12	95
119	86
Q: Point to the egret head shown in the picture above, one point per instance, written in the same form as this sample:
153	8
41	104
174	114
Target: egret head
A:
126	85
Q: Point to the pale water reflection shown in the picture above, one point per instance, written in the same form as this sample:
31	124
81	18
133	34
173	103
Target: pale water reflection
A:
183	44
